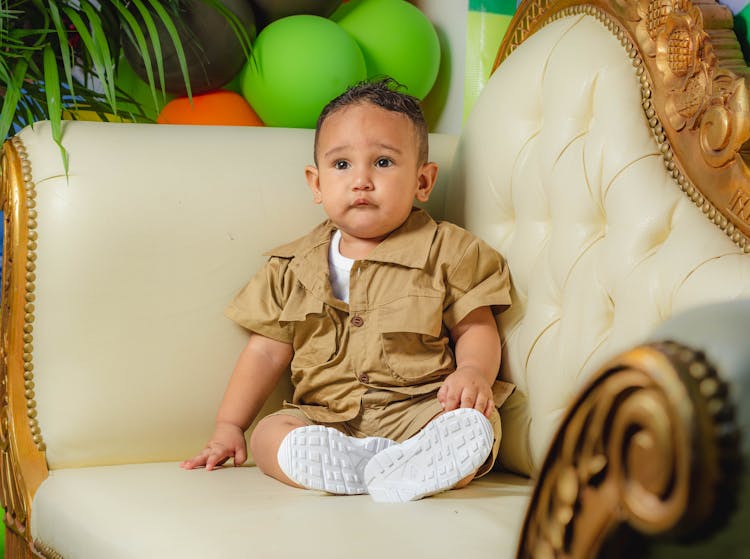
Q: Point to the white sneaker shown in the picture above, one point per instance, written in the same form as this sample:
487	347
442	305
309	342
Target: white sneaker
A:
322	458
448	449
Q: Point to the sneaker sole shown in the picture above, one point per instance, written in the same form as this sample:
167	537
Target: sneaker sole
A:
448	449
321	458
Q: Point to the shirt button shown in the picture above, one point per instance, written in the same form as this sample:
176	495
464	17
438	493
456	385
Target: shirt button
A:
357	320
364	378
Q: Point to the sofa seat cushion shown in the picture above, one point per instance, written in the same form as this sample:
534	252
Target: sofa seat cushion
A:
239	512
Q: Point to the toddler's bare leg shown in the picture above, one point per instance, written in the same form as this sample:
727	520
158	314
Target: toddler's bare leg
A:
466	481
266	440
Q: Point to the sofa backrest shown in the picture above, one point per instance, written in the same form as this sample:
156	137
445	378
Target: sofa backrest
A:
138	252
559	169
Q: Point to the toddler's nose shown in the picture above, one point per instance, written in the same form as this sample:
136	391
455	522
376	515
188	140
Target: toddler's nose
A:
363	183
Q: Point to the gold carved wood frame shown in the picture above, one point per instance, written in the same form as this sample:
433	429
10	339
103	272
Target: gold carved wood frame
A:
23	466
693	87
649	448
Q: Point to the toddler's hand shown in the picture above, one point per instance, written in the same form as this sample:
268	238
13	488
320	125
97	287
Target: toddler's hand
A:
466	388
228	441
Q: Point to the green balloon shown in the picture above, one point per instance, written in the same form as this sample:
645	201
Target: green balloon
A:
235	84
298	64
396	39
741	30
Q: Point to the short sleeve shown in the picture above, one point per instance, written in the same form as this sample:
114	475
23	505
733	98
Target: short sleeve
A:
259	304
479	278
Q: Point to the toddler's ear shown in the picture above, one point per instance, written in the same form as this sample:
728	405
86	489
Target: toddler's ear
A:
426	180
313	181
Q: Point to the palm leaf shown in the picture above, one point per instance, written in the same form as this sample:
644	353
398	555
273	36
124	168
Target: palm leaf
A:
5	14
54	100
37	45
105	72
13	82
235	23
172	30
66	53
93	49
153	34
135	32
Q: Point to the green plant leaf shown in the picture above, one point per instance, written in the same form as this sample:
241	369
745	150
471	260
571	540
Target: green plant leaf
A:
65	52
136	33
245	40
12	95
172	30
107	75
94	51
5	15
42	31
30	29
153	34
54	100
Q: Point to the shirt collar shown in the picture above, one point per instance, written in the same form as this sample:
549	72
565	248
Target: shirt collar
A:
321	235
409	245
309	257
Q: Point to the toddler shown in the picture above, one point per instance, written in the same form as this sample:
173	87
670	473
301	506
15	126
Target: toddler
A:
387	318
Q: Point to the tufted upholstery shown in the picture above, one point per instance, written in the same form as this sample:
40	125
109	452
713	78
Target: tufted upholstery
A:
558	168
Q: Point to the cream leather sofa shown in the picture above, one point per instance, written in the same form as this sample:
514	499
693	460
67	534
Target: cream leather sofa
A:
603	159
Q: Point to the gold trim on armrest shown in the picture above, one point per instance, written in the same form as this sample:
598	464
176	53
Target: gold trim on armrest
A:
650	447
46	551
693	86
23	465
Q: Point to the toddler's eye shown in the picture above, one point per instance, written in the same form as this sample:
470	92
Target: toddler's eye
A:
383	162
341	164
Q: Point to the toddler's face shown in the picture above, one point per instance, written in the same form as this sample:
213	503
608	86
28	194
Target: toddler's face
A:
368	172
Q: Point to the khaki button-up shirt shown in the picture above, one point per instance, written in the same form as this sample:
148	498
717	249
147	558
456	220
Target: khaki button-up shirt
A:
393	335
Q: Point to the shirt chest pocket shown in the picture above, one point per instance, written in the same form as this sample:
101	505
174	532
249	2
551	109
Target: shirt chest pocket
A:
415	344
314	329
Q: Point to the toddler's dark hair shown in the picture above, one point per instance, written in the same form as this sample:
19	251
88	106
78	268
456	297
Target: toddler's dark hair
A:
383	93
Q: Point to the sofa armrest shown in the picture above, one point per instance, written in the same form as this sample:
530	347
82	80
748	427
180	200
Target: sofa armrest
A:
22	462
651	448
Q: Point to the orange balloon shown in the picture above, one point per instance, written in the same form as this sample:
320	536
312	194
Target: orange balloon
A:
216	107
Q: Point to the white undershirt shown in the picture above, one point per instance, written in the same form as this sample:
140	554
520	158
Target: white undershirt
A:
339	268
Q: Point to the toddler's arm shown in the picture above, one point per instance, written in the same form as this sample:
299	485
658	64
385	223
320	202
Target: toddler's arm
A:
478	352
255	375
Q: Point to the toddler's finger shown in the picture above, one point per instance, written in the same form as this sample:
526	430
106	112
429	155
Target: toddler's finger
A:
216	458
441	395
490	406
468	398
240	455
480	403
452	400
195	462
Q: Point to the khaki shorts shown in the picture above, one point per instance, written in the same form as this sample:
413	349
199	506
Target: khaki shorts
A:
381	416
